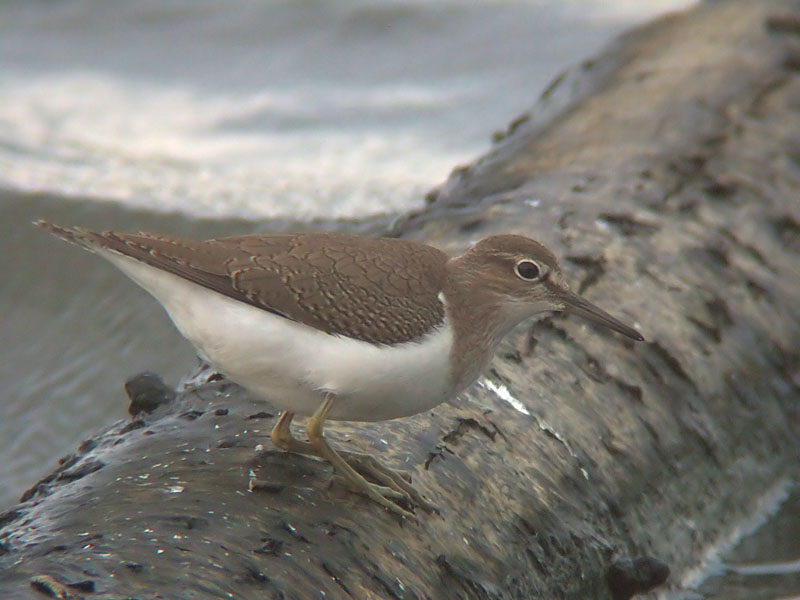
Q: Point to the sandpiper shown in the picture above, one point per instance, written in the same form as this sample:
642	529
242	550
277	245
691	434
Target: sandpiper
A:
333	326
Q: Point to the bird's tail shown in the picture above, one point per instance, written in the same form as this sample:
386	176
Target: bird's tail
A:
90	240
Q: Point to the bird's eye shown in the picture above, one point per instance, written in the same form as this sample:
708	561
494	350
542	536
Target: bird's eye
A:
527	270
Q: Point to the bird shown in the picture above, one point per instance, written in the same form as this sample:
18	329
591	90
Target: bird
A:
335	326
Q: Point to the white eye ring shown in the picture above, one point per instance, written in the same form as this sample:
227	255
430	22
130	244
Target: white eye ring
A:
528	269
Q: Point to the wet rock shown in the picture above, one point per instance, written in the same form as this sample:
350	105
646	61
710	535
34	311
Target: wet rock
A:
147	391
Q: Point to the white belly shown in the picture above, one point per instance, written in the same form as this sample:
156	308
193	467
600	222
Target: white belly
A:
293	365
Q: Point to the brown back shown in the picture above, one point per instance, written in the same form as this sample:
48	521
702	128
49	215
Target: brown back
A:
380	290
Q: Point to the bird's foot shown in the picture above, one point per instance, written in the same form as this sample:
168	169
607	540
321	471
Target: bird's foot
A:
387	479
388	488
395	502
390	495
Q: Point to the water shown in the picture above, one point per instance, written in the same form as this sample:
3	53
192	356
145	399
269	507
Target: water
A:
264	109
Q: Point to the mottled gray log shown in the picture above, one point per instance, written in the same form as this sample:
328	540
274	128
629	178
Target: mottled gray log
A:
671	190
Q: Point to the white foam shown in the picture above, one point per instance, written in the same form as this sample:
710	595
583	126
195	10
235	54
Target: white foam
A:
169	148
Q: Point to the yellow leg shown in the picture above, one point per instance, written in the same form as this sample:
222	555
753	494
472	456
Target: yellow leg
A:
382	494
282	436
351	466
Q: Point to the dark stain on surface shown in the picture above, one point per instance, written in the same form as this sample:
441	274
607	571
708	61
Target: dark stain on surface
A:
230	442
188	521
261	415
271	546
81	471
630	576
593	266
464	425
9	516
337	580
783	23
133	425
787	229
716	319
631	390
670	361
462	576
191	415
629	224
751	251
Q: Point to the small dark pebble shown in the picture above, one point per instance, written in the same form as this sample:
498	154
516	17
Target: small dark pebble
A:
261	415
134	567
221	412
228	443
191	415
41	489
81	471
86	446
147	391
49	586
67	461
630	576
133	425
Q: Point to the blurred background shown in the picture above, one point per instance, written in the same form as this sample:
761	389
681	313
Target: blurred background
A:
202	118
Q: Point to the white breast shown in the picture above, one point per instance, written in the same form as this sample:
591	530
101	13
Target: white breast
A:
293	365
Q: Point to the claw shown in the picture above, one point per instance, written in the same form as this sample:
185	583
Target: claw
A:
390	489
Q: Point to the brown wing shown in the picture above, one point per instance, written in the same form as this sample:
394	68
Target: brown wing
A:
377	289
